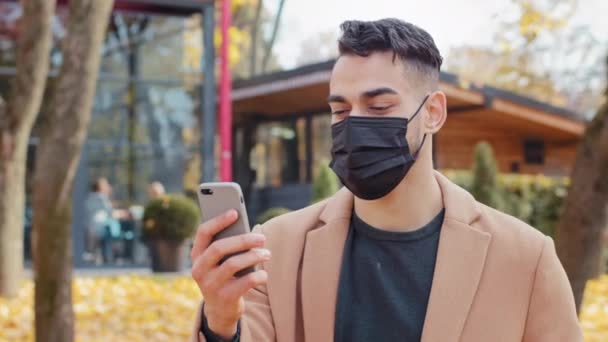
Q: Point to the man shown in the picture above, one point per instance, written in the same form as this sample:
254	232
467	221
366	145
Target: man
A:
156	190
400	254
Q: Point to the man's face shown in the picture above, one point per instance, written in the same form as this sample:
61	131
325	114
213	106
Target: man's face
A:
374	86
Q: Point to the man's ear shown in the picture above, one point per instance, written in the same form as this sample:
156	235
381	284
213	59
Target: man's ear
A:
437	112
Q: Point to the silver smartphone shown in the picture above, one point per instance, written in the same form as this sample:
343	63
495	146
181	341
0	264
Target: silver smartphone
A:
215	199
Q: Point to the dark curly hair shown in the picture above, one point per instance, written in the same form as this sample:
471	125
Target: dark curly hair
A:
411	44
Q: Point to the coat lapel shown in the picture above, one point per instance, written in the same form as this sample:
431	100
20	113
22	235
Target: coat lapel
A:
321	268
460	261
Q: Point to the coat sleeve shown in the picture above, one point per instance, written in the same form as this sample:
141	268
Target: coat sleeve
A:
256	324
551	312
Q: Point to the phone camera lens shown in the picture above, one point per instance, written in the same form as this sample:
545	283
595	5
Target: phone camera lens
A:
206	191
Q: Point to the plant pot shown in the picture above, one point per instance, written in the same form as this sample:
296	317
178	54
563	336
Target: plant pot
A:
168	256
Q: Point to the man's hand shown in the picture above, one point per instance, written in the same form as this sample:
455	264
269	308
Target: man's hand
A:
222	292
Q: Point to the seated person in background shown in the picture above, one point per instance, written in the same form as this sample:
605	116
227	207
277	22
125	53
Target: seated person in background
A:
155	190
102	218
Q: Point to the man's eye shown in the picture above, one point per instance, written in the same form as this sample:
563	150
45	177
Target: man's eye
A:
339	112
379	108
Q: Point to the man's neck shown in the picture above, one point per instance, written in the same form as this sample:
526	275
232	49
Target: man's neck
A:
411	205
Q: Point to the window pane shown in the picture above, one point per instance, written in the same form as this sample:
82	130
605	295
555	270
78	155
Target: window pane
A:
279	154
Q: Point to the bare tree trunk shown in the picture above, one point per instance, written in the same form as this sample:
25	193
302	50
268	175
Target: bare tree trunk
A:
63	133
273	37
33	50
255	33
584	217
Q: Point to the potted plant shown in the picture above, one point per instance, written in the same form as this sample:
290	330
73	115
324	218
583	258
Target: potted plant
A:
168	223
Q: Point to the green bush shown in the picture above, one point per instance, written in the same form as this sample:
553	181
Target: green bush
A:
516	197
325	184
536	200
171	217
484	186
272	213
547	199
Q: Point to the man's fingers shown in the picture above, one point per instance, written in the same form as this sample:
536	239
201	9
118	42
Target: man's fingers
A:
239	286
207	230
219	249
239	262
208	260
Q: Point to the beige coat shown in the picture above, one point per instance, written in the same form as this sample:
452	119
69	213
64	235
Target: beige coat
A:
496	279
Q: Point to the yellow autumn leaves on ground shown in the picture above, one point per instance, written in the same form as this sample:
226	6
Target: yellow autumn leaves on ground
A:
154	308
594	313
124	308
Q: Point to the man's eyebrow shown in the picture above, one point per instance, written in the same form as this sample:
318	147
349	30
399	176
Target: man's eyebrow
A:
368	94
336	98
379	91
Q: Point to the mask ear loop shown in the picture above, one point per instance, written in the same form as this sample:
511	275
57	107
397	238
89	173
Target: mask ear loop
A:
412	118
419	107
420	148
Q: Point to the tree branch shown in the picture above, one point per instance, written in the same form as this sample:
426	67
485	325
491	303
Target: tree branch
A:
275	30
255	28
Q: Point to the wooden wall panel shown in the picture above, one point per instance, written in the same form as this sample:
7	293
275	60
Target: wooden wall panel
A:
455	150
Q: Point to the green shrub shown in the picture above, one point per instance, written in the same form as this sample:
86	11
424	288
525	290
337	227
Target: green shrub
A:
484	185
325	184
171	217
272	213
547	200
536	200
516	196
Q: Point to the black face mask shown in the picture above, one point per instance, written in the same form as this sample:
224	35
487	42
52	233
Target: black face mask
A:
371	155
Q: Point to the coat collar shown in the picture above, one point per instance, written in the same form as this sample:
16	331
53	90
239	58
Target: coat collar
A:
459	204
460	260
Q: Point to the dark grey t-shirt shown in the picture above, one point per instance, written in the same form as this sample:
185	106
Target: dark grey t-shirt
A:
385	282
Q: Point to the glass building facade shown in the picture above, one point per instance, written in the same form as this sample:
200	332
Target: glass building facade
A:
145	124
146	127
276	159
146	115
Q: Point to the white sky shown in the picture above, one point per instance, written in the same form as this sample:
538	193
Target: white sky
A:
450	22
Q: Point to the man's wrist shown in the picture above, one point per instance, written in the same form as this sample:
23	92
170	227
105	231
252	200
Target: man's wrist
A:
226	332
215	331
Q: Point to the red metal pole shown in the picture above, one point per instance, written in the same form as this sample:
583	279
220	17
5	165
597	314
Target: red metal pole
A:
225	119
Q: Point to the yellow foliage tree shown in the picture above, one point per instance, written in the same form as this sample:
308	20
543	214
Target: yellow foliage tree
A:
238	34
536	54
